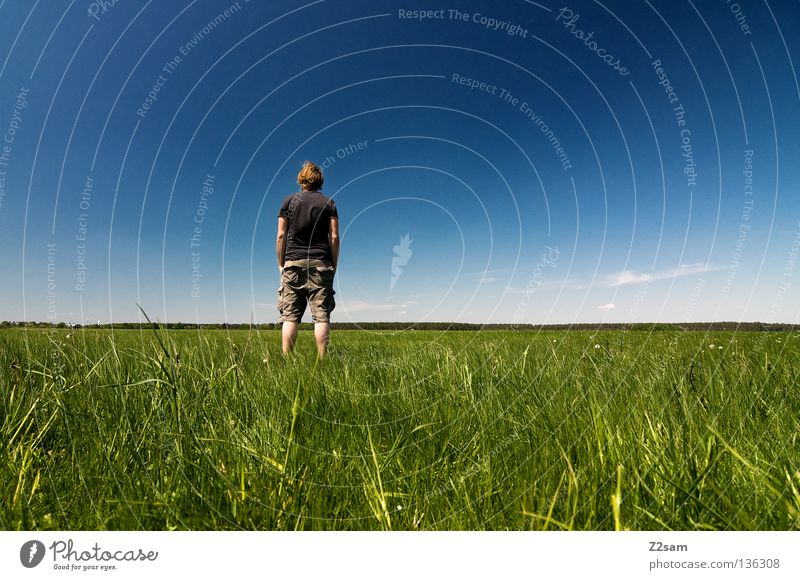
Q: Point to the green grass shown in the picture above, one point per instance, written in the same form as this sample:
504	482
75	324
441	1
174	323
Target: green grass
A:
410	430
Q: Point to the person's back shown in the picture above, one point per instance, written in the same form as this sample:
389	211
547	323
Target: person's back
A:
308	236
307	249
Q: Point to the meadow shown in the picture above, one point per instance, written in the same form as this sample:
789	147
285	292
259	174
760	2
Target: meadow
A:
522	430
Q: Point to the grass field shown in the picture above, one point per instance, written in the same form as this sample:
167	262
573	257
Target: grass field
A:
412	430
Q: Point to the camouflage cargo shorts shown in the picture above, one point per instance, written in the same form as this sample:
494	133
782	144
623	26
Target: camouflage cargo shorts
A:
306	282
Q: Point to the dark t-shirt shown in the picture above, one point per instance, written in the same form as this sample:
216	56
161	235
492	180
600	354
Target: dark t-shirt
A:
309	214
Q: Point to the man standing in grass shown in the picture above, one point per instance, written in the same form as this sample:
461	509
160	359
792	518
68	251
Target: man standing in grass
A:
307	249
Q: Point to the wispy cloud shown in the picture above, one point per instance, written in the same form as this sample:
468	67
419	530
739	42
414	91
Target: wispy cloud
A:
616	279
633	277
608	306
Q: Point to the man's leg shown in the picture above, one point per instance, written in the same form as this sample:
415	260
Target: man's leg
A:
289	335
321	331
321	301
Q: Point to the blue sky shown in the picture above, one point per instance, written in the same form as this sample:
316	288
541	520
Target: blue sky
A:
549	162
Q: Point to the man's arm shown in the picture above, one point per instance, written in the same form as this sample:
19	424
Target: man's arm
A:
333	238
280	243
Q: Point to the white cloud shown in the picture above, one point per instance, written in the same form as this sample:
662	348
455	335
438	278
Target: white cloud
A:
623	278
632	277
608	306
627	277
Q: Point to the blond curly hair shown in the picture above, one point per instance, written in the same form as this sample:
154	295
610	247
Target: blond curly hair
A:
310	177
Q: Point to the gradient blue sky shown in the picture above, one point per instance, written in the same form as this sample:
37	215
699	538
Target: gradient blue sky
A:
502	229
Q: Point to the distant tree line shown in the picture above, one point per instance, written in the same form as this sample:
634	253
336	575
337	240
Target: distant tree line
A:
440	326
